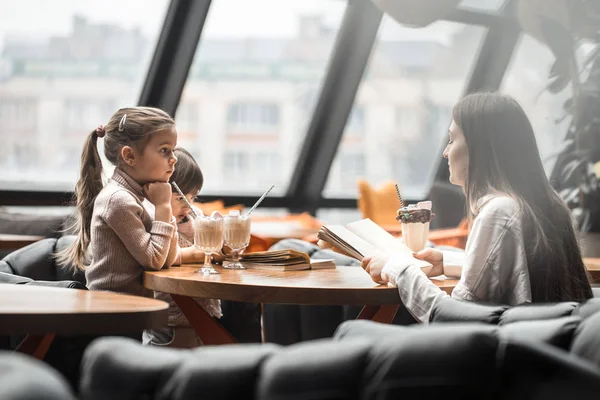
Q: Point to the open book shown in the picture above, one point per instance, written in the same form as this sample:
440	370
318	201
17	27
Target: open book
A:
283	260
364	238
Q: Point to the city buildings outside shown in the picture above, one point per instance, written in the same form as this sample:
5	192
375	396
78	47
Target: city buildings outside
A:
247	102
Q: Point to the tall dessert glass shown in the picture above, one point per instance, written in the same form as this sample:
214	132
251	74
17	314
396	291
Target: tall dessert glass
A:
415	226
236	233
208	238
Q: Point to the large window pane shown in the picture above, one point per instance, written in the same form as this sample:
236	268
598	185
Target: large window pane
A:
526	79
403	107
482	5
65	67
252	89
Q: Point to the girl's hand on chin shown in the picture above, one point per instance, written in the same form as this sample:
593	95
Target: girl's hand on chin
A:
158	193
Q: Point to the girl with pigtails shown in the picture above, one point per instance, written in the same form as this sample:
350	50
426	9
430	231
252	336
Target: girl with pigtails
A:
113	227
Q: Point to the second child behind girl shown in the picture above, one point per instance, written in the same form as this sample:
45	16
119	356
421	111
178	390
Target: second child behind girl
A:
124	238
179	332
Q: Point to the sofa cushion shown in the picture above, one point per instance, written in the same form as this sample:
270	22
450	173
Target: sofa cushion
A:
319	369
119	368
531	312
218	372
36	261
586	343
5	268
23	280
429	361
557	332
14	279
453	310
23	377
67	272
366	329
535	371
59	284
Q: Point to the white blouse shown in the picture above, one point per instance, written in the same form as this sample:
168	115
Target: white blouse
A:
495	269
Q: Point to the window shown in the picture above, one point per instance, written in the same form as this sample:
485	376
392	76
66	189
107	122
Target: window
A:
482	5
267	167
19	115
526	79
252	117
244	170
81	115
356	121
235	165
351	166
65	67
256	75
412	78
187	122
408	121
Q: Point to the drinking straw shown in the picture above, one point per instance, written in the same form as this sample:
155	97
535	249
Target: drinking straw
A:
399	197
260	200
186	200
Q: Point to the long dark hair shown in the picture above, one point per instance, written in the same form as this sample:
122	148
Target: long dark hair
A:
132	126
504	157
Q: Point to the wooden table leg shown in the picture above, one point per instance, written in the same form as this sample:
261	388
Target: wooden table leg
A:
384	314
36	345
207	329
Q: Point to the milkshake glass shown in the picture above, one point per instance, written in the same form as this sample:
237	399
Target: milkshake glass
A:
208	238
415	226
237	237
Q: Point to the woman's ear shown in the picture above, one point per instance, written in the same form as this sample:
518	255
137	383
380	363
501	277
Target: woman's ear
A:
128	155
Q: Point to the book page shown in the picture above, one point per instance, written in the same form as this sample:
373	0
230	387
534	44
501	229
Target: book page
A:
322	263
381	240
350	242
378	237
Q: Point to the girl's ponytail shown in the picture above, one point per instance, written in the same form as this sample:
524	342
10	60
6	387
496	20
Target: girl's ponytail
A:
87	188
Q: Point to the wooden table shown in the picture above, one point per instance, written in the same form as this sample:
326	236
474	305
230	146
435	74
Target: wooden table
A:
340	286
592	265
13	242
42	312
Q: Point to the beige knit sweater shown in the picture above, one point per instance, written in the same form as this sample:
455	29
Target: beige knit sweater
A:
126	240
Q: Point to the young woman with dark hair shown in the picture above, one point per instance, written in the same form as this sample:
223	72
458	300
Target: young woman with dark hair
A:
522	245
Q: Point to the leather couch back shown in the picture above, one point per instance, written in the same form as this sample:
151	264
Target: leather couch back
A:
453	310
36	261
453	361
569	326
24	377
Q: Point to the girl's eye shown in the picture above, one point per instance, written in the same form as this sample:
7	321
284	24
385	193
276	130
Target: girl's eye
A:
450	142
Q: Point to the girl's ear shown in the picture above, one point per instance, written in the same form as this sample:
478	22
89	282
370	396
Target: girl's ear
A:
128	155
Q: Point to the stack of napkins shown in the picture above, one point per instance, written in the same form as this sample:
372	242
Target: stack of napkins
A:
283	260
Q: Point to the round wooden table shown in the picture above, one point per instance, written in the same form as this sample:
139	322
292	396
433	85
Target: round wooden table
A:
41	312
340	286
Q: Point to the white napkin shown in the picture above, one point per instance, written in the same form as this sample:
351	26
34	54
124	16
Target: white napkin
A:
453	263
